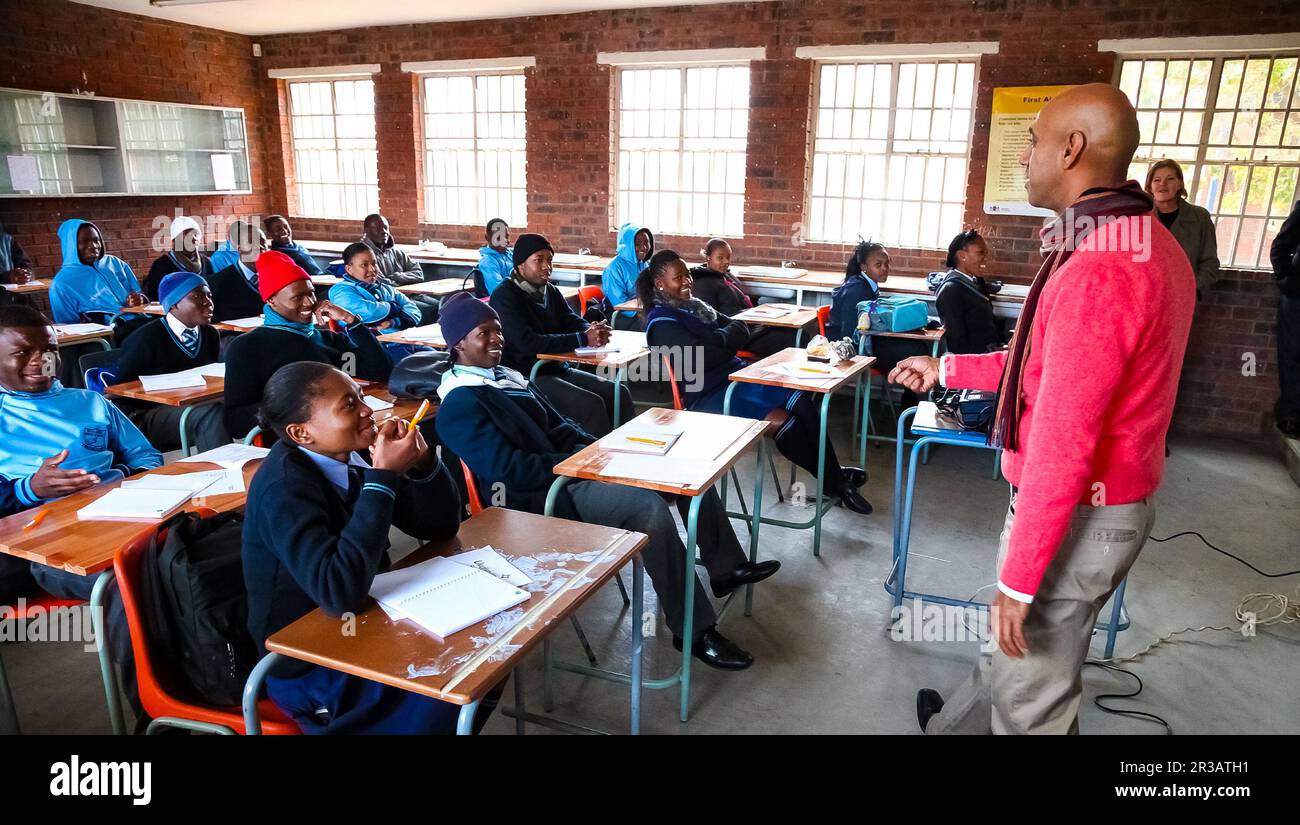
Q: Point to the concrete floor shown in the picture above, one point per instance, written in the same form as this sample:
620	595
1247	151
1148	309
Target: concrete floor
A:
825	663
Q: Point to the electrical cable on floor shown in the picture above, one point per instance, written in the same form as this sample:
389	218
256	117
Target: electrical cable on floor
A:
1226	553
1132	714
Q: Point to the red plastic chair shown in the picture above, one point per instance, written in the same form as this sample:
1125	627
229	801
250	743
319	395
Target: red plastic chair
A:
586	293
823	314
167	708
471	488
672	382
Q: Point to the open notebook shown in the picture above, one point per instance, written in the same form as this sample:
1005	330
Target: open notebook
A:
444	597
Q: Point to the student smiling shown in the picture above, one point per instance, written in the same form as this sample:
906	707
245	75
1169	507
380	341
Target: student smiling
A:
90	280
375	303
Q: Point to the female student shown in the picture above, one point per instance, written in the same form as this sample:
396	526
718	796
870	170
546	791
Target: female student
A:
509	434
713	283
678	321
377	304
1191	225
181	340
90	280
964	308
635	246
536	319
316	533
184	256
865	272
281	235
289	333
234	286
496	260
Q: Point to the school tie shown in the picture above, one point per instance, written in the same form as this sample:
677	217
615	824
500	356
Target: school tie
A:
356	477
190	340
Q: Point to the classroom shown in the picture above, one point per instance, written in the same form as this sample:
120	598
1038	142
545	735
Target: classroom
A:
602	366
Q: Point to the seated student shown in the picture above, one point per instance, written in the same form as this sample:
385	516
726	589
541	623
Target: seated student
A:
536	319
90	280
377	304
865	272
508	433
713	283
288	334
55	441
396	267
966	312
15	266
184	256
635	246
680	322
495	260
281	235
316	533
180	340
234	287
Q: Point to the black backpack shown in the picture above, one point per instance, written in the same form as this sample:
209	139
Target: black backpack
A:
196	606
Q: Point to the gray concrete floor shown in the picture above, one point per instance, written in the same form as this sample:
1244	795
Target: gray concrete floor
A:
825	663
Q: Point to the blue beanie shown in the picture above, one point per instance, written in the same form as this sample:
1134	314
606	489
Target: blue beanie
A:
460	314
173	288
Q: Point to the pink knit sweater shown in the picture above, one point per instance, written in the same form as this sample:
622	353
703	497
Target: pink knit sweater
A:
1098	390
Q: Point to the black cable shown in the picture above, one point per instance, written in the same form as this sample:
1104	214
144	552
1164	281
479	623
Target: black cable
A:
1229	555
1132	714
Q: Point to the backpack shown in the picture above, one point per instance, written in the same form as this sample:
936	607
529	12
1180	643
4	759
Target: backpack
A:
196	606
894	313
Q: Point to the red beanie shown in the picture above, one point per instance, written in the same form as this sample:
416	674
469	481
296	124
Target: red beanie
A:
275	271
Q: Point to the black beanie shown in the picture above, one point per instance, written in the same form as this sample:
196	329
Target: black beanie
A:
528	244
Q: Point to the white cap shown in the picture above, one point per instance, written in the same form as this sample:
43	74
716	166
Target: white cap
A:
183	223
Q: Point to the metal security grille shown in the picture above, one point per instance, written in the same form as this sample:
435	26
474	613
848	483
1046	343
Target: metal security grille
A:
681	136
889	153
336	162
475	165
1233	124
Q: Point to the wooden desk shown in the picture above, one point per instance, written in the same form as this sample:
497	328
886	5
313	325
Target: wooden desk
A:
157	309
30	288
573	559
186	398
632	348
795	317
437	289
630	305
709	446
404	337
65	339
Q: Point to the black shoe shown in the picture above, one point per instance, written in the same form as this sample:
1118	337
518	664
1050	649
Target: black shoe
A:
716	650
747	573
928	703
855	477
1290	426
854	501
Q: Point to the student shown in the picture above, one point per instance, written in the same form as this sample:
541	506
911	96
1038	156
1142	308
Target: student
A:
182	339
536	319
509	434
15	266
184	256
865	272
90	280
374	302
289	333
713	283
396	267
495	260
316	534
964	309
635	246
234	287
56	441
679	322
281	235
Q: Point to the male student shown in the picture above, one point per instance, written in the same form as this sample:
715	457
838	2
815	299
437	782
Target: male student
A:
635	246
377	304
186	255
90	280
281	235
495	260
183	339
396	267
234	287
289	333
15	266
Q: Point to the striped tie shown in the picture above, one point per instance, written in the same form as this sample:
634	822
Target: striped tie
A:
190	339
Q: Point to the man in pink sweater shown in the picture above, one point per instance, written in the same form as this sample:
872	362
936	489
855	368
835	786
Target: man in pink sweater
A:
1086	393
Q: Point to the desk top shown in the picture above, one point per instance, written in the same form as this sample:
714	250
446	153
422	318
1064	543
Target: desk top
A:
183	397
710	445
915	335
66	339
28	288
795	317
568	562
631	347
438	289
763	372
630	305
403	337
157	309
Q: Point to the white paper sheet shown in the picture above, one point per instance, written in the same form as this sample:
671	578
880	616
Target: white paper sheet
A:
140	504
442	596
661	469
223	171
217	370
80	329
228	455
605	350
377	404
172	381
14	287
24	173
245	323
429	332
490	561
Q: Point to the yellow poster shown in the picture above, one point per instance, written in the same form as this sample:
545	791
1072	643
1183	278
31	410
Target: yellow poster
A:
1014	111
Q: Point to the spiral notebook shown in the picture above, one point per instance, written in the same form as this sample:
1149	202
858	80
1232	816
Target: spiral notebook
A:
443	597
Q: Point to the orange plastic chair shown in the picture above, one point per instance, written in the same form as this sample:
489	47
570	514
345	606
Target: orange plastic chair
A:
152	675
471	488
823	313
586	293
672	382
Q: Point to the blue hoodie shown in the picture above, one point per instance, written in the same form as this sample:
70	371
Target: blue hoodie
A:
496	266
98	437
226	255
99	287
618	281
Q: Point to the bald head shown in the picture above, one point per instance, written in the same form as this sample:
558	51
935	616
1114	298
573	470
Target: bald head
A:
1085	137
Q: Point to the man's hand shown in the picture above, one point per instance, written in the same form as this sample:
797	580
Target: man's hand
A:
1009	625
598	334
920	373
51	482
137	299
17	275
331	312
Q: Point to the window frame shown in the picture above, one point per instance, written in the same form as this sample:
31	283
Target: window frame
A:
332	79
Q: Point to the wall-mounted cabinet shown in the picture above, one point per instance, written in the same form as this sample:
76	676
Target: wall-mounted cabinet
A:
54	145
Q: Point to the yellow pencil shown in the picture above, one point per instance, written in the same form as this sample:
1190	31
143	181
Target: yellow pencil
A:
646	441
419	414
819	372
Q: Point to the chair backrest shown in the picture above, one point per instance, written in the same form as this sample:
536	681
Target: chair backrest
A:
480	287
152	674
254	437
589	292
97	369
471	488
672	382
823	313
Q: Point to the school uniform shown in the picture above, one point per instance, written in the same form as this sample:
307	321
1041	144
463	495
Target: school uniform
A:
510	435
170	262
376	303
100	287
725	294
496	266
15	573
301	257
618	281
234	293
396	268
12	255
253	357
843	323
315	535
163	346
541	321
970	327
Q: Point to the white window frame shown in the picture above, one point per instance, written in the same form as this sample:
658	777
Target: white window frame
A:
331	75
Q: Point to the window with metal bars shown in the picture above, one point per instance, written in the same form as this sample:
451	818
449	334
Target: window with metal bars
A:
1233	124
475	164
681	135
889	151
336	160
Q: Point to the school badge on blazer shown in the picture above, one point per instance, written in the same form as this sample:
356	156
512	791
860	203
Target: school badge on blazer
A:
95	437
